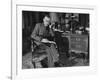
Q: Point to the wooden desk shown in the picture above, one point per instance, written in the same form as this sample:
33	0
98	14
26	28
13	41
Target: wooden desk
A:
77	43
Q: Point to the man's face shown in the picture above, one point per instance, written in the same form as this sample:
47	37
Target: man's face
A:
46	21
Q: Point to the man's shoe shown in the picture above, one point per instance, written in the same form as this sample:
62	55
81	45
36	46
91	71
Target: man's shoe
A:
57	64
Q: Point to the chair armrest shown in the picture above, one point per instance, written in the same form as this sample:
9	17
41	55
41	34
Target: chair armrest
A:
33	44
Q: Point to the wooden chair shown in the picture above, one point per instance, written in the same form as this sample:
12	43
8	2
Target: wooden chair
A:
37	55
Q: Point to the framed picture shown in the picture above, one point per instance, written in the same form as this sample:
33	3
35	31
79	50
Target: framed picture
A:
52	40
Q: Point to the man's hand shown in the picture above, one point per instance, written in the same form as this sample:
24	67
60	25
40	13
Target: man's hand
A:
52	42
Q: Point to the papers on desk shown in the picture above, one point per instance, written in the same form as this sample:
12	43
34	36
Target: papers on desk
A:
58	30
67	31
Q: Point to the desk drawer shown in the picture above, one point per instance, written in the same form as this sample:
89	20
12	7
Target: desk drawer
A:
79	43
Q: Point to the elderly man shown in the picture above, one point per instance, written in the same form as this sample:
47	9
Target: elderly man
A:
42	34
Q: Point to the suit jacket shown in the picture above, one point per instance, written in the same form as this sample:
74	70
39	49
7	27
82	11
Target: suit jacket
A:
40	32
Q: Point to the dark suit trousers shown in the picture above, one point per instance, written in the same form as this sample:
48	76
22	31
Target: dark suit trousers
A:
52	53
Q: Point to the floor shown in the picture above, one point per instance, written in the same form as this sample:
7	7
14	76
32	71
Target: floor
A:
66	61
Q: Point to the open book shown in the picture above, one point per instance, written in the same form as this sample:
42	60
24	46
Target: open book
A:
47	41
